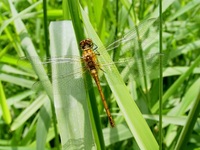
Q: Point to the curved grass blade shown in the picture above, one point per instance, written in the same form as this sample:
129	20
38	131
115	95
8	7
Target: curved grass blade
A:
131	113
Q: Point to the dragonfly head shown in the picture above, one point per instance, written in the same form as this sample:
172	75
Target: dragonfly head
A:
86	44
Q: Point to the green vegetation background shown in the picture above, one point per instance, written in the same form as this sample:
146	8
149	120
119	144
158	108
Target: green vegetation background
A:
28	118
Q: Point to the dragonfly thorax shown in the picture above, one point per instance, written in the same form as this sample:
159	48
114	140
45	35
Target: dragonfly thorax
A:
90	59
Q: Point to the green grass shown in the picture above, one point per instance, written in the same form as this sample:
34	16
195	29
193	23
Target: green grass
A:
27	117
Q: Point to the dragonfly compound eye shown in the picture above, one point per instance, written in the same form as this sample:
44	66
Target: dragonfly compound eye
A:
86	44
81	44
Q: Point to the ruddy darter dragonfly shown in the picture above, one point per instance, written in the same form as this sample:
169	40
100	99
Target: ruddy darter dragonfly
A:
90	60
89	57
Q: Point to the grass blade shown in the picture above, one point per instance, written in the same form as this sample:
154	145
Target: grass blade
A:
70	96
136	123
191	119
4	106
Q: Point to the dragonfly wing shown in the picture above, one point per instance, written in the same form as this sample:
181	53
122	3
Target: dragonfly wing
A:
70	66
133	65
61	79
141	47
25	61
63	61
132	35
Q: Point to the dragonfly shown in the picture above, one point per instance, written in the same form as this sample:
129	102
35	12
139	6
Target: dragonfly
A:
90	53
90	60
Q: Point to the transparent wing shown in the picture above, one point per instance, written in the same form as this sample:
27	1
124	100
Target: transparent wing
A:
75	60
126	42
133	65
64	62
59	79
50	60
141	45
142	29
129	42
